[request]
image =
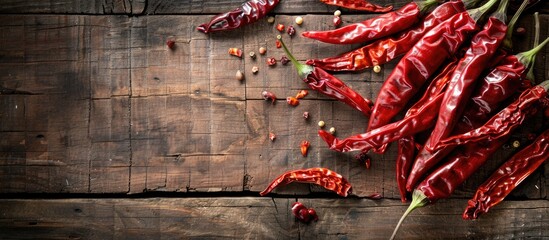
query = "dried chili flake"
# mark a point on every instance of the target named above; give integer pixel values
(301, 94)
(375, 196)
(170, 44)
(337, 21)
(278, 44)
(284, 60)
(292, 101)
(364, 158)
(291, 30)
(268, 96)
(271, 61)
(235, 52)
(272, 136)
(280, 27)
(305, 147)
(306, 115)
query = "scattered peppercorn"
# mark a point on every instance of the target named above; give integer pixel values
(280, 27)
(235, 52)
(301, 94)
(255, 69)
(271, 19)
(271, 61)
(337, 21)
(284, 60)
(262, 50)
(268, 96)
(377, 69)
(321, 124)
(278, 44)
(272, 136)
(170, 43)
(252, 55)
(299, 20)
(306, 115)
(291, 30)
(292, 101)
(516, 144)
(332, 130)
(239, 75)
(337, 13)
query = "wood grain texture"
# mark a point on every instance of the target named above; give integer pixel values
(261, 218)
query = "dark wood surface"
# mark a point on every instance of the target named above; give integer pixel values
(93, 104)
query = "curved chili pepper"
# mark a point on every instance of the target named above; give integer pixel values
(387, 49)
(374, 28)
(405, 158)
(361, 5)
(247, 13)
(419, 64)
(508, 176)
(327, 84)
(320, 176)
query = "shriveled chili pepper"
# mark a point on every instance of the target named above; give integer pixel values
(304, 146)
(418, 118)
(304, 214)
(247, 13)
(508, 176)
(235, 52)
(325, 83)
(320, 176)
(269, 96)
(419, 64)
(389, 48)
(292, 101)
(362, 5)
(405, 158)
(301, 94)
(374, 28)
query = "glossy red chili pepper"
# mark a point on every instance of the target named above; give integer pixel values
(304, 146)
(321, 176)
(419, 64)
(291, 30)
(304, 214)
(387, 49)
(405, 158)
(373, 28)
(418, 118)
(508, 176)
(325, 83)
(247, 13)
(362, 5)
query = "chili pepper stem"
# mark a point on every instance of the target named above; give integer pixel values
(302, 69)
(527, 58)
(530, 74)
(500, 13)
(424, 6)
(418, 200)
(508, 41)
(479, 12)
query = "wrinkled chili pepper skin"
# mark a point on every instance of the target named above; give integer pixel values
(321, 176)
(370, 29)
(439, 44)
(331, 86)
(362, 5)
(387, 49)
(247, 13)
(508, 176)
(405, 158)
(504, 121)
(418, 118)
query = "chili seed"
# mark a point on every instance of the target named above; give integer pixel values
(516, 144)
(278, 44)
(299, 20)
(291, 30)
(170, 43)
(520, 31)
(271, 61)
(252, 55)
(292, 101)
(262, 50)
(332, 130)
(337, 21)
(306, 115)
(239, 75)
(337, 13)
(255, 69)
(284, 60)
(321, 124)
(280, 27)
(377, 69)
(271, 19)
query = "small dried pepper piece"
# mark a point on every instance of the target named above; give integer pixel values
(235, 52)
(280, 27)
(284, 60)
(306, 115)
(170, 43)
(268, 96)
(247, 13)
(362, 5)
(278, 45)
(372, 28)
(304, 146)
(389, 48)
(304, 214)
(271, 61)
(508, 176)
(291, 30)
(323, 177)
(292, 101)
(301, 94)
(272, 136)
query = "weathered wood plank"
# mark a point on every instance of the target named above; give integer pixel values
(261, 218)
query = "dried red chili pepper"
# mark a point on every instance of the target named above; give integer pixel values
(362, 5)
(247, 13)
(419, 64)
(304, 214)
(235, 52)
(269, 96)
(373, 28)
(325, 83)
(304, 146)
(387, 49)
(292, 101)
(321, 176)
(301, 94)
(508, 176)
(405, 158)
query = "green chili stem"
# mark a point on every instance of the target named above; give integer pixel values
(527, 58)
(303, 70)
(479, 12)
(418, 200)
(508, 41)
(501, 11)
(530, 74)
(545, 85)
(425, 5)
(470, 3)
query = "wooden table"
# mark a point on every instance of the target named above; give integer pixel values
(106, 133)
